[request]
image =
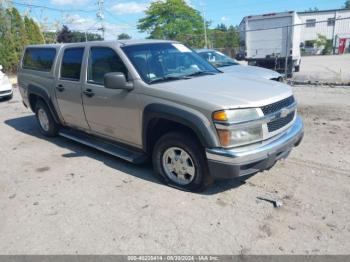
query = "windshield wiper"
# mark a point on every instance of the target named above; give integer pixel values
(167, 78)
(199, 73)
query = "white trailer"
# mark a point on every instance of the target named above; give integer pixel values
(271, 41)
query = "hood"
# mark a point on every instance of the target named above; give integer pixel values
(223, 91)
(250, 71)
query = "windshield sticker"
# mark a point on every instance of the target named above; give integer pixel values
(182, 48)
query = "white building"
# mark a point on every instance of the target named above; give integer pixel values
(330, 23)
(333, 24)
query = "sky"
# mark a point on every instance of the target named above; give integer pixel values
(121, 16)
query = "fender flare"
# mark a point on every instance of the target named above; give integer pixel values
(189, 119)
(34, 90)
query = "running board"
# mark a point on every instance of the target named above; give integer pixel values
(104, 145)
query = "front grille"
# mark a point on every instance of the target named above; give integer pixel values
(280, 122)
(272, 108)
(5, 92)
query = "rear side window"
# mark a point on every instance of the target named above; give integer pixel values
(40, 59)
(71, 63)
(103, 60)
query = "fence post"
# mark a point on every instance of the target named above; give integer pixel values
(287, 54)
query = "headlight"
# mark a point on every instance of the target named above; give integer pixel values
(237, 127)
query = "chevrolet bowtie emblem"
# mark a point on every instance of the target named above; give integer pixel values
(284, 112)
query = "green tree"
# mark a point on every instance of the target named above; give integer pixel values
(18, 32)
(82, 37)
(50, 37)
(347, 4)
(123, 36)
(8, 54)
(33, 32)
(64, 35)
(174, 20)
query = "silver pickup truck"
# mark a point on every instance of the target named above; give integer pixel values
(159, 100)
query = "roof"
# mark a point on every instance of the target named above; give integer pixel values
(323, 11)
(118, 42)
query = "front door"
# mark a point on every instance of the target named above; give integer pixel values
(111, 112)
(69, 88)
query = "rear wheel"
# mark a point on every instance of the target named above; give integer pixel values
(47, 125)
(179, 159)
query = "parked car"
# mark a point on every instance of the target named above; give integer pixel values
(159, 100)
(5, 86)
(229, 65)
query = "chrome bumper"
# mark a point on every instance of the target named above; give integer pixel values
(240, 162)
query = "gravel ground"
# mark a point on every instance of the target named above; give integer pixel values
(59, 197)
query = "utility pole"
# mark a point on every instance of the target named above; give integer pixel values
(100, 17)
(204, 26)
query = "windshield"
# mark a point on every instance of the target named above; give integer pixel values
(218, 59)
(159, 62)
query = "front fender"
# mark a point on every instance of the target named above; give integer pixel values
(195, 121)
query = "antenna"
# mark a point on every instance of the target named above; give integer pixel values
(100, 16)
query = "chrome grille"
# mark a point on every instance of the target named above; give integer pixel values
(280, 122)
(272, 108)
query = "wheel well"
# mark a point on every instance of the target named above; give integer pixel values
(33, 99)
(158, 127)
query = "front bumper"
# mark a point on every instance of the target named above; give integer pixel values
(5, 93)
(229, 163)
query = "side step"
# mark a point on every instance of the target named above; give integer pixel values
(106, 146)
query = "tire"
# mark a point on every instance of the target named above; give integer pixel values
(196, 176)
(48, 126)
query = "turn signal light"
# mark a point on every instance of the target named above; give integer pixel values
(220, 116)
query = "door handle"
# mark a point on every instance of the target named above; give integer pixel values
(88, 93)
(60, 88)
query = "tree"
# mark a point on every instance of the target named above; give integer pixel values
(123, 36)
(174, 20)
(83, 37)
(347, 4)
(64, 35)
(18, 32)
(33, 32)
(8, 55)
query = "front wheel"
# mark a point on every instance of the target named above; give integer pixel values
(179, 159)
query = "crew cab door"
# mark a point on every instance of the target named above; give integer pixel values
(69, 87)
(113, 113)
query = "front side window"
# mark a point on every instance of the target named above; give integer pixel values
(310, 22)
(40, 59)
(71, 63)
(157, 62)
(218, 59)
(103, 60)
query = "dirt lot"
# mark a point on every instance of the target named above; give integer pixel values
(59, 197)
(329, 68)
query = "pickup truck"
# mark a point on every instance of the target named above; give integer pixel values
(159, 100)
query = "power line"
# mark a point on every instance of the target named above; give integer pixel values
(52, 8)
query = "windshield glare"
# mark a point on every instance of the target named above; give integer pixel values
(218, 59)
(166, 61)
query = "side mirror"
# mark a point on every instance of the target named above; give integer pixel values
(0, 67)
(116, 80)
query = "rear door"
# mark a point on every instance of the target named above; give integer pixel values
(69, 87)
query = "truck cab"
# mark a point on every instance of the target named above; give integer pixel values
(160, 101)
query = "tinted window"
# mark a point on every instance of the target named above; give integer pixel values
(39, 58)
(103, 60)
(71, 63)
